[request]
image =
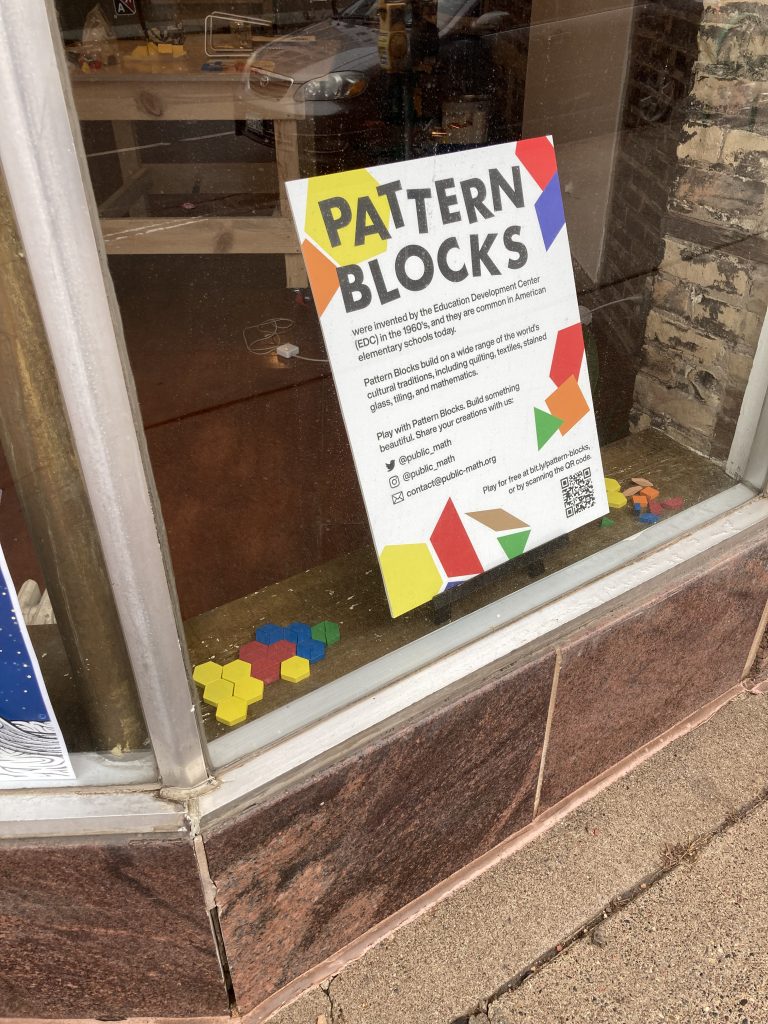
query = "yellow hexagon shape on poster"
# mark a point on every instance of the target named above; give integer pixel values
(410, 576)
(347, 197)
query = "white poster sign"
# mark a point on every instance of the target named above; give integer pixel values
(445, 292)
(32, 750)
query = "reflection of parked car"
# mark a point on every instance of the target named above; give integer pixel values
(351, 112)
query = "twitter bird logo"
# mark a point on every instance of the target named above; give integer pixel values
(390, 466)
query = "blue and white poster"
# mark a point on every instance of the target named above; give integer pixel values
(32, 748)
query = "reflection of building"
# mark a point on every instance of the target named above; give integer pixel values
(708, 301)
(130, 900)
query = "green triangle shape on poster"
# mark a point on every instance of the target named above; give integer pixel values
(514, 543)
(546, 426)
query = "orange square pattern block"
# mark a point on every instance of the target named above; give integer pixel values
(568, 404)
(650, 492)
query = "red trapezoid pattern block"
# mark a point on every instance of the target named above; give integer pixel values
(569, 351)
(538, 158)
(322, 275)
(453, 546)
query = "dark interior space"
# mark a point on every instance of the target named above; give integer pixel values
(257, 487)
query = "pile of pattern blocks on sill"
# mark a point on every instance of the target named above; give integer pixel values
(642, 497)
(276, 652)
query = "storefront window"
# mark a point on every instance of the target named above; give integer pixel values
(194, 120)
(66, 685)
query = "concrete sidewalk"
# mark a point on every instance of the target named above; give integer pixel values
(647, 903)
(692, 947)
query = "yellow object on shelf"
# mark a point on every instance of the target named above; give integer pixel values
(231, 711)
(294, 670)
(216, 692)
(206, 672)
(249, 690)
(611, 484)
(616, 499)
(235, 671)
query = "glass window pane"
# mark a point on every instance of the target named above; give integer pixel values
(55, 566)
(193, 124)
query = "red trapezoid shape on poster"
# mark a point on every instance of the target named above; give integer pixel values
(453, 546)
(538, 158)
(569, 351)
(322, 276)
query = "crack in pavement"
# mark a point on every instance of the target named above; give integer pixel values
(671, 859)
(336, 1014)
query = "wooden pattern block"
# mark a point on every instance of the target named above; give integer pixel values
(326, 632)
(269, 633)
(283, 649)
(299, 631)
(253, 651)
(206, 672)
(231, 711)
(217, 691)
(267, 669)
(250, 690)
(294, 670)
(312, 650)
(237, 670)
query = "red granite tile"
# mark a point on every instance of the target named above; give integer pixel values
(680, 643)
(307, 871)
(105, 930)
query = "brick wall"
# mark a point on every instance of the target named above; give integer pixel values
(659, 76)
(708, 300)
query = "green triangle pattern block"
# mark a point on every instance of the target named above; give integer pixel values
(514, 543)
(326, 632)
(546, 426)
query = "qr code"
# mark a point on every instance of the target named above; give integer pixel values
(578, 492)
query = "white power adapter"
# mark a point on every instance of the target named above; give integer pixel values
(287, 350)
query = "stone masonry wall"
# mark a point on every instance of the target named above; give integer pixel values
(709, 297)
(659, 75)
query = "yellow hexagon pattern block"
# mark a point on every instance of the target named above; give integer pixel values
(235, 671)
(231, 711)
(217, 691)
(249, 690)
(206, 672)
(294, 670)
(358, 190)
(410, 576)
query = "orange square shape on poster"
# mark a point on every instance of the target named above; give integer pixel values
(568, 404)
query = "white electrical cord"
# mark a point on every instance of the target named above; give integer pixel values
(273, 328)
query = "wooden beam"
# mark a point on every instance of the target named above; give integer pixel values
(287, 154)
(196, 97)
(136, 186)
(173, 235)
